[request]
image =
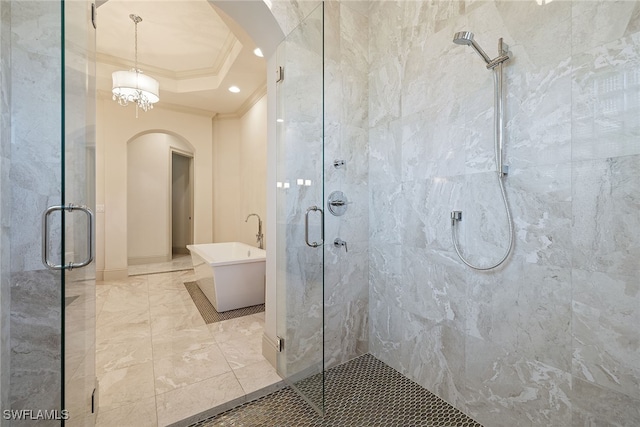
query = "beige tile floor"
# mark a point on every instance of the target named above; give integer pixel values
(159, 363)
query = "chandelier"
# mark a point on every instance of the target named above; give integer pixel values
(133, 85)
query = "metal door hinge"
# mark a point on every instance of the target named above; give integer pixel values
(279, 74)
(94, 15)
(280, 344)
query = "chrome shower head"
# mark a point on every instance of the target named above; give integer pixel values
(466, 38)
(463, 37)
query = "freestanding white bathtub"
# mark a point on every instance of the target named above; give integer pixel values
(231, 275)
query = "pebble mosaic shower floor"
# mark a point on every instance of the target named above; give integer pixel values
(363, 392)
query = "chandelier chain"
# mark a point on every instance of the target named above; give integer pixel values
(136, 20)
(136, 47)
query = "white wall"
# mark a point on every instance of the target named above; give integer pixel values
(115, 127)
(253, 169)
(226, 176)
(149, 180)
(240, 174)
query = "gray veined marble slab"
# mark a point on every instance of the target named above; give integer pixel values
(548, 332)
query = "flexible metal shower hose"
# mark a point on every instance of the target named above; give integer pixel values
(454, 236)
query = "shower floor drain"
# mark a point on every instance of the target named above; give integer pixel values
(363, 392)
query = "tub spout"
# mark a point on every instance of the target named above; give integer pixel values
(259, 236)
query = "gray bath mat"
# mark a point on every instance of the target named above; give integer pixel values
(209, 313)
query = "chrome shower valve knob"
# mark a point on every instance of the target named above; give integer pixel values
(339, 242)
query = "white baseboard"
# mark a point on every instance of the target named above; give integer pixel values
(148, 259)
(270, 351)
(112, 274)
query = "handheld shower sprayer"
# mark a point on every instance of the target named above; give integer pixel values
(466, 38)
(496, 64)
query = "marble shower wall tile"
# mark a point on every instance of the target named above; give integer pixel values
(290, 13)
(606, 202)
(5, 207)
(592, 23)
(428, 143)
(35, 340)
(525, 310)
(386, 62)
(385, 152)
(346, 273)
(598, 406)
(606, 93)
(385, 32)
(540, 198)
(505, 389)
(384, 92)
(606, 310)
(35, 149)
(432, 289)
(385, 213)
(385, 271)
(34, 182)
(551, 331)
(429, 353)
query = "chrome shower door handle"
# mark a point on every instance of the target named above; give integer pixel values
(306, 227)
(90, 254)
(45, 238)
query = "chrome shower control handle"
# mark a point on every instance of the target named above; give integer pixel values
(339, 242)
(337, 203)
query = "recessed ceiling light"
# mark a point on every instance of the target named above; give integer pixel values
(258, 52)
(234, 89)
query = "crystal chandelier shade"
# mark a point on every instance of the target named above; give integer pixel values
(133, 86)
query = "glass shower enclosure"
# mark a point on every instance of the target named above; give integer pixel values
(51, 181)
(299, 209)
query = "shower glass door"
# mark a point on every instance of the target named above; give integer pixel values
(299, 209)
(52, 187)
(78, 188)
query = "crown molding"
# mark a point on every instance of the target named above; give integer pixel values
(252, 100)
(245, 107)
(229, 51)
(168, 106)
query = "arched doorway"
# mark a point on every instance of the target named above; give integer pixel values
(159, 197)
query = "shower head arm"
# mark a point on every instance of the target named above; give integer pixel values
(480, 52)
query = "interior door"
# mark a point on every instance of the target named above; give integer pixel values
(78, 197)
(299, 209)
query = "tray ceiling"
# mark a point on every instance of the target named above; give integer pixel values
(187, 46)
